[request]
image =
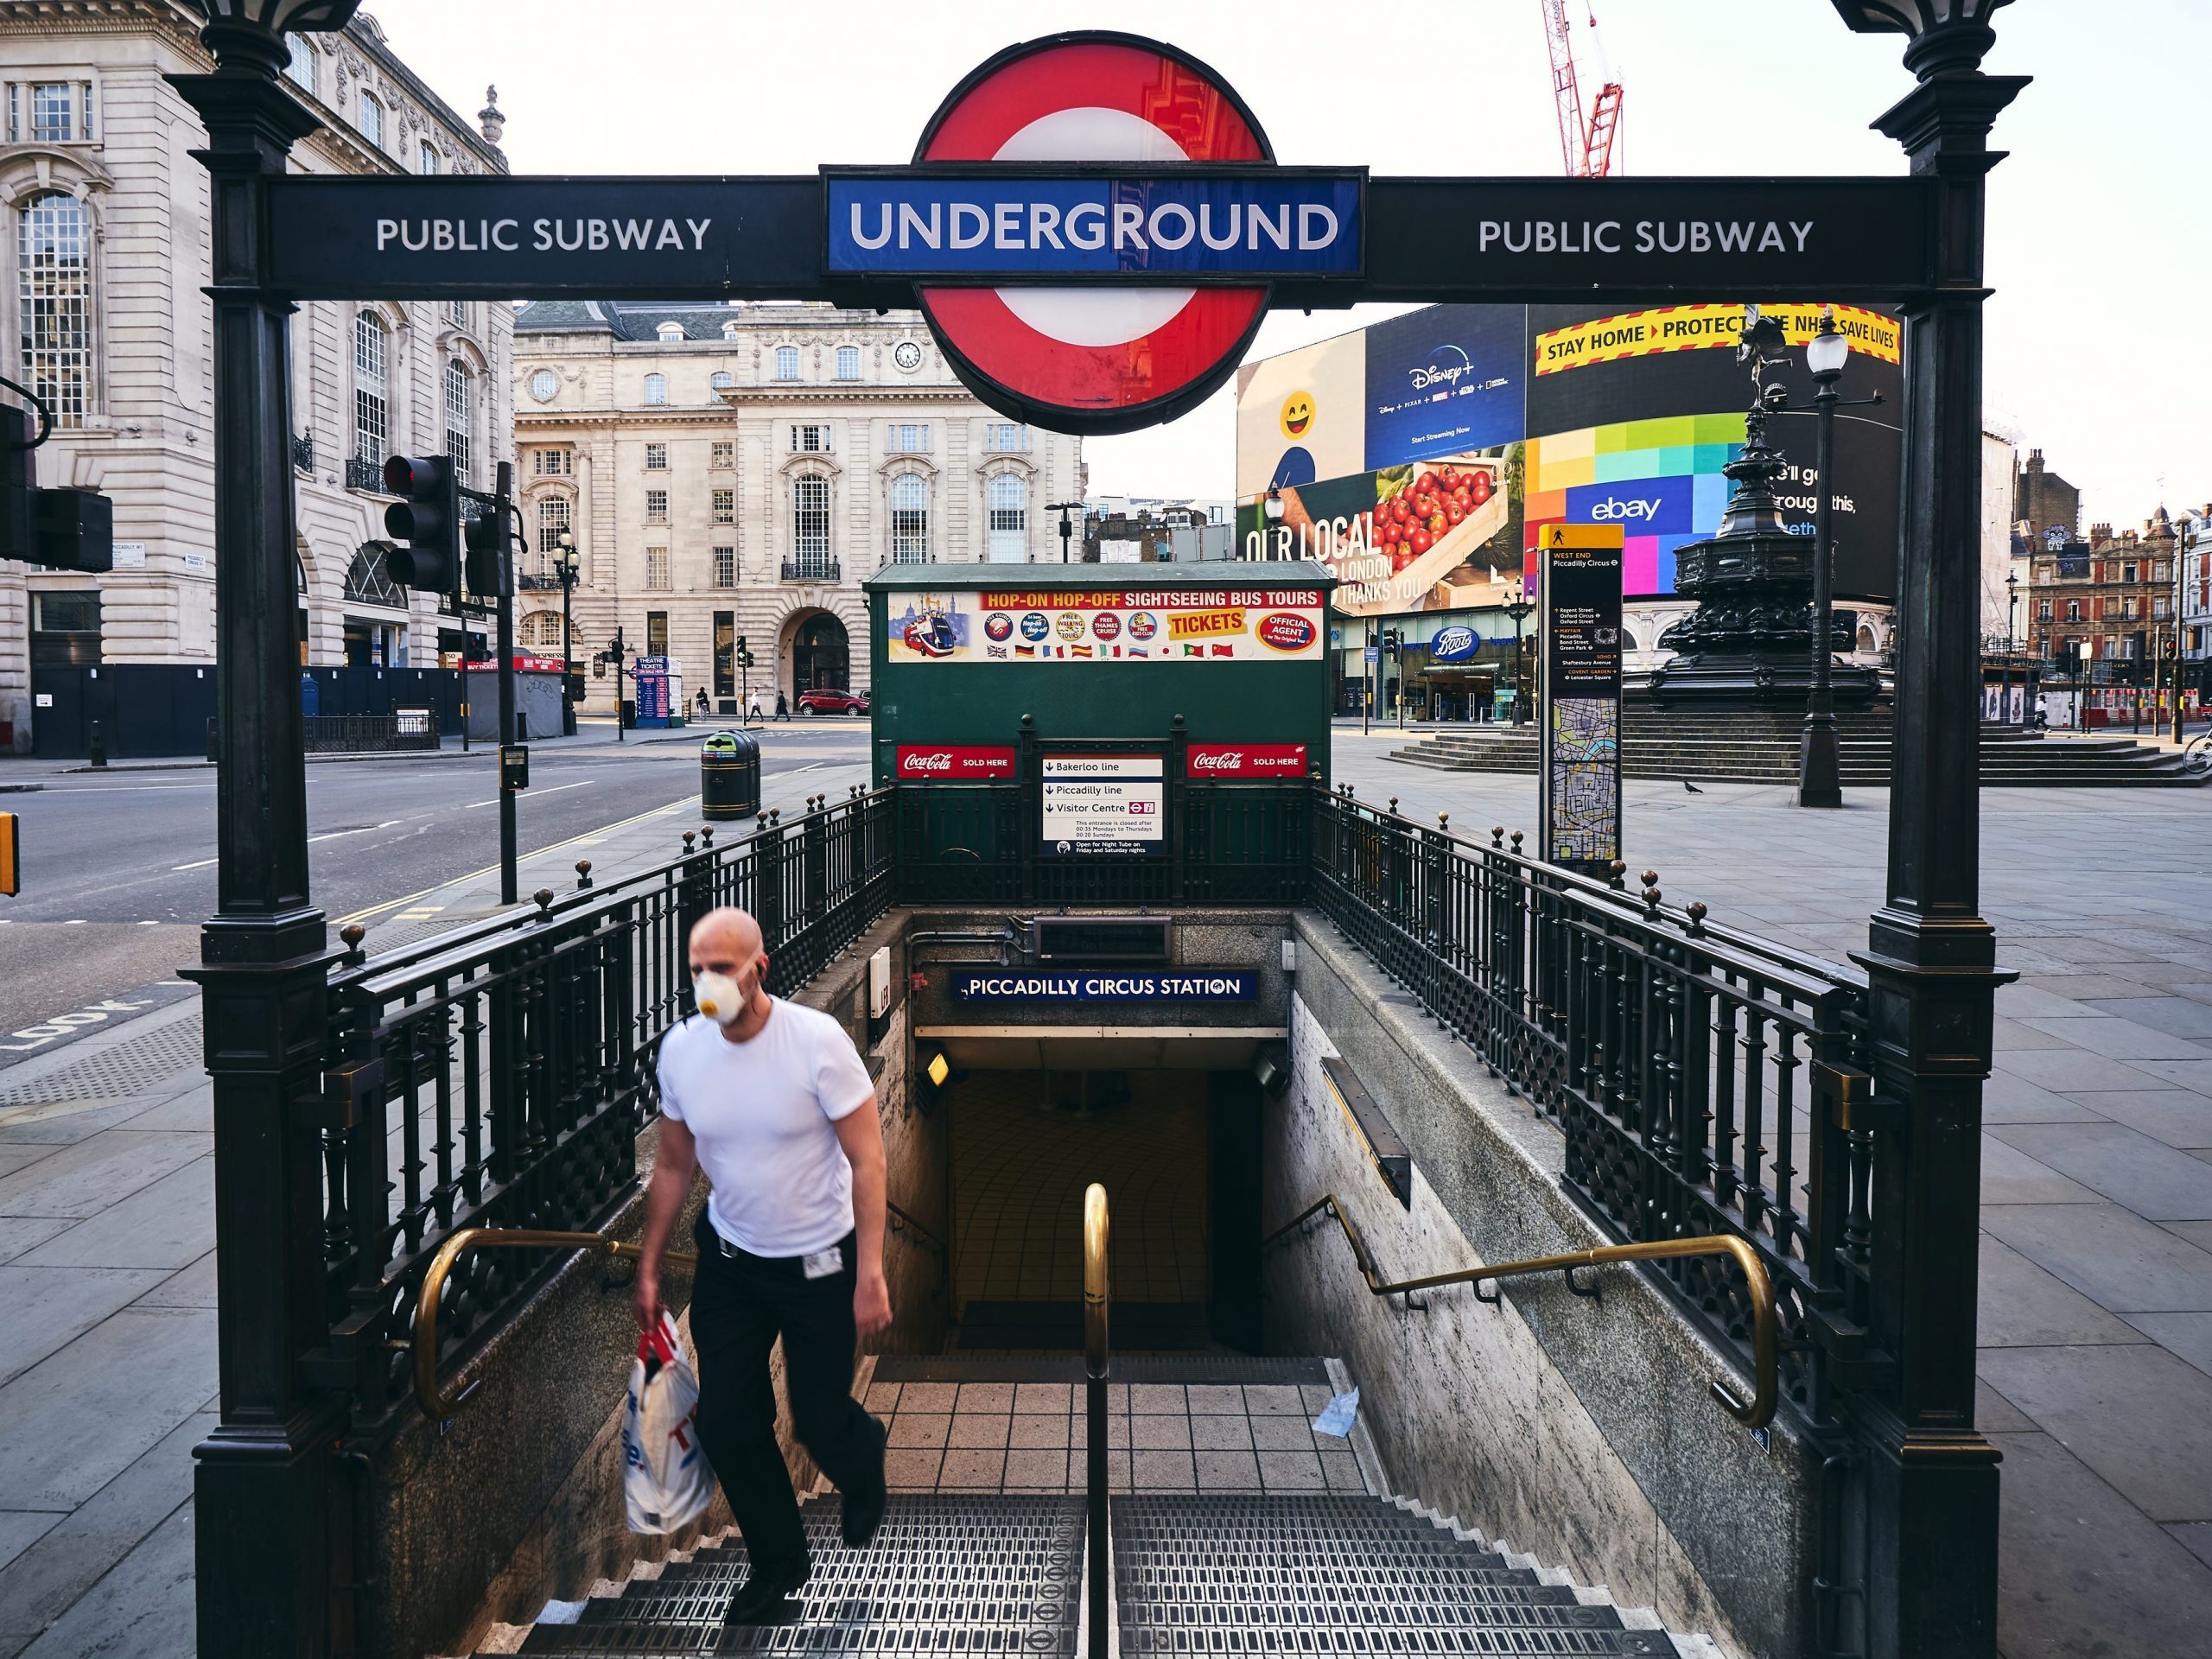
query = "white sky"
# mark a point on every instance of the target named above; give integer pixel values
(2100, 242)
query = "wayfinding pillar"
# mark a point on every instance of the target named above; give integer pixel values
(263, 1507)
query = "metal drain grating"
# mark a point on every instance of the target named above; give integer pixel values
(117, 1072)
(972, 1576)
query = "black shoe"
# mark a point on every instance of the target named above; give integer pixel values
(864, 1504)
(763, 1597)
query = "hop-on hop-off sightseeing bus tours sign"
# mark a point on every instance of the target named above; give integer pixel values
(1095, 225)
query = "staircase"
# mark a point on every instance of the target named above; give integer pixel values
(1757, 747)
(1207, 1568)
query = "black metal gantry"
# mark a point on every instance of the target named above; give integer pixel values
(277, 1566)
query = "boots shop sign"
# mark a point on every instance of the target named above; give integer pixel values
(1094, 225)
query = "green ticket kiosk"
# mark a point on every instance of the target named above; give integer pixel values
(1100, 722)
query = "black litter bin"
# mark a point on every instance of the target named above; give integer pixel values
(729, 776)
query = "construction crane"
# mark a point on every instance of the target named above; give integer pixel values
(1586, 142)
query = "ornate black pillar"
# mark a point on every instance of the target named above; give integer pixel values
(266, 1510)
(1931, 1484)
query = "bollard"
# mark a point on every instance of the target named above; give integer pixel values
(98, 746)
(214, 743)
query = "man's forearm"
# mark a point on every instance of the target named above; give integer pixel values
(869, 1185)
(664, 1201)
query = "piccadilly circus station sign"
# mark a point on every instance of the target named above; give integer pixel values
(1095, 225)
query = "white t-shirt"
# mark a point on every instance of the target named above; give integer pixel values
(761, 1112)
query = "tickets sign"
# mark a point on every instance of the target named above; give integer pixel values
(1116, 625)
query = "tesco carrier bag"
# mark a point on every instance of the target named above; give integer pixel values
(666, 1481)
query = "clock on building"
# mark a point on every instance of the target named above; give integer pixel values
(543, 385)
(907, 355)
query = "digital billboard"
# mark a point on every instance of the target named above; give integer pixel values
(1580, 415)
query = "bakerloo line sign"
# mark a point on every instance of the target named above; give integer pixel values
(1094, 226)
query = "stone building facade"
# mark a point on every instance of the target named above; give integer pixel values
(731, 472)
(106, 261)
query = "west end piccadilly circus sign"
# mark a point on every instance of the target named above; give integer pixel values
(1095, 225)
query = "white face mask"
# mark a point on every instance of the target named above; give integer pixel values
(718, 997)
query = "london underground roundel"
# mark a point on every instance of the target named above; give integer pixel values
(1094, 360)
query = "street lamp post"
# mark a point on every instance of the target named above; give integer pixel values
(564, 567)
(1819, 773)
(1518, 608)
(2012, 635)
(1067, 525)
(265, 1485)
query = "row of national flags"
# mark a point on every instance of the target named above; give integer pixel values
(1110, 650)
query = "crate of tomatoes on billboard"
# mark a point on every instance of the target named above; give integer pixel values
(1425, 536)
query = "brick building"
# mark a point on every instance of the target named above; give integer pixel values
(2043, 501)
(2116, 592)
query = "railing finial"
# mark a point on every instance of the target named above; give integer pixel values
(543, 899)
(583, 875)
(353, 933)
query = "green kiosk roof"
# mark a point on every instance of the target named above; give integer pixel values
(1213, 573)
(1228, 657)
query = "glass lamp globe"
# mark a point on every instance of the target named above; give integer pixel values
(1826, 352)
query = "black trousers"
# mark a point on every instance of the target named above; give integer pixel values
(739, 1305)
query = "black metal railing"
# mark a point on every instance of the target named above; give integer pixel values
(812, 570)
(497, 1075)
(304, 452)
(1678, 1059)
(365, 473)
(1704, 1081)
(408, 729)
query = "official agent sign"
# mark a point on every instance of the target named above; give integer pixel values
(1094, 226)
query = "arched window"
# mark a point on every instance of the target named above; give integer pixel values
(372, 412)
(1866, 639)
(1009, 519)
(370, 121)
(367, 581)
(656, 388)
(302, 67)
(54, 263)
(721, 380)
(786, 362)
(670, 331)
(460, 426)
(426, 157)
(848, 362)
(541, 630)
(910, 518)
(729, 331)
(810, 526)
(552, 526)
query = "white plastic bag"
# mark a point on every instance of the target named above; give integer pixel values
(666, 1476)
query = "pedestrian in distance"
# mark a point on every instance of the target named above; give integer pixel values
(772, 1100)
(705, 708)
(753, 710)
(782, 708)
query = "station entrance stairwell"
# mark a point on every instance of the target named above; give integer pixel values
(1108, 1557)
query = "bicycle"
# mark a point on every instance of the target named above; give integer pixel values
(2196, 757)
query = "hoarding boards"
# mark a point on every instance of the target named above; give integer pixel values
(1302, 416)
(1102, 803)
(1578, 715)
(1437, 535)
(1163, 625)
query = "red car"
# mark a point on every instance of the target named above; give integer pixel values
(821, 700)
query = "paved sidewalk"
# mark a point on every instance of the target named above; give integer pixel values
(107, 1277)
(2095, 1357)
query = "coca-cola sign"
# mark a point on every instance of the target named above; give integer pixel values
(940, 762)
(1246, 760)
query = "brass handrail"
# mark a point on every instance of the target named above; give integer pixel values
(435, 1405)
(902, 1219)
(1757, 1413)
(1098, 1362)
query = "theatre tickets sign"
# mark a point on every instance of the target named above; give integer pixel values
(1094, 225)
(1095, 624)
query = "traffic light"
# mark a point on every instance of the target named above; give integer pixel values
(425, 524)
(61, 530)
(487, 562)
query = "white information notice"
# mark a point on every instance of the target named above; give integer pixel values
(1103, 803)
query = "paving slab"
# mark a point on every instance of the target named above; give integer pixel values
(2122, 1261)
(20, 1233)
(86, 1177)
(49, 1307)
(2148, 1176)
(73, 1422)
(146, 1607)
(2180, 1117)
(2188, 1336)
(2011, 1176)
(2083, 1574)
(167, 1225)
(2177, 1016)
(2133, 1412)
(2122, 1039)
(2022, 1305)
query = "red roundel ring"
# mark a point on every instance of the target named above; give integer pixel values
(1093, 360)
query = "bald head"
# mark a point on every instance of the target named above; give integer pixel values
(726, 939)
